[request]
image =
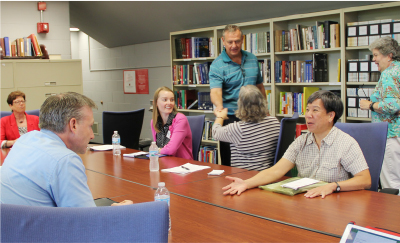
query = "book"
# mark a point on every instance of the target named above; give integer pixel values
(327, 33)
(320, 68)
(36, 46)
(204, 101)
(7, 47)
(307, 91)
(3, 53)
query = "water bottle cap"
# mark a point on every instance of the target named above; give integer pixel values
(161, 184)
(153, 142)
(115, 132)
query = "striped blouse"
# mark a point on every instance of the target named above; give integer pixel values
(253, 145)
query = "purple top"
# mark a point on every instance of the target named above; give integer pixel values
(180, 144)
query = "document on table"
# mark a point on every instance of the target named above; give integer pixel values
(216, 172)
(103, 147)
(133, 155)
(295, 185)
(186, 168)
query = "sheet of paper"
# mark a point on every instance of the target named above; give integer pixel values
(135, 154)
(103, 147)
(186, 168)
(216, 172)
(300, 183)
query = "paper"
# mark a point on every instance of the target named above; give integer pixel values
(130, 81)
(362, 30)
(186, 168)
(353, 67)
(295, 185)
(133, 155)
(103, 147)
(216, 172)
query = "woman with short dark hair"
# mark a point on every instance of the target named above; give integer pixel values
(384, 104)
(253, 139)
(18, 123)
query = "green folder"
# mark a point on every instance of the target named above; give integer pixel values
(276, 187)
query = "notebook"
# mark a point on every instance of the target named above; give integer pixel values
(358, 234)
(101, 202)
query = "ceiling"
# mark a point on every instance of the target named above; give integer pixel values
(115, 23)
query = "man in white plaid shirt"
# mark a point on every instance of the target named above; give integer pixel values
(325, 153)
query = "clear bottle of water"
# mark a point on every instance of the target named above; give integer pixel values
(162, 194)
(153, 154)
(116, 141)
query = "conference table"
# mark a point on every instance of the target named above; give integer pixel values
(201, 213)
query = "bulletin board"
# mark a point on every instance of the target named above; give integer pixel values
(136, 81)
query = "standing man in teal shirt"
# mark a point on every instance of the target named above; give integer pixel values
(230, 71)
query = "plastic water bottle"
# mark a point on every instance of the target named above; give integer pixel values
(162, 194)
(153, 154)
(116, 141)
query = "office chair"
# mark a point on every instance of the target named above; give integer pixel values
(141, 222)
(196, 124)
(5, 113)
(372, 140)
(33, 112)
(127, 123)
(287, 135)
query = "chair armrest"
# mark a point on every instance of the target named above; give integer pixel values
(390, 191)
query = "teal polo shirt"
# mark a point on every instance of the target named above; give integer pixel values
(230, 76)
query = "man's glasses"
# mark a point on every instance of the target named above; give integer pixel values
(20, 102)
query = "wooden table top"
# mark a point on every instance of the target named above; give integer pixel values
(331, 214)
(193, 221)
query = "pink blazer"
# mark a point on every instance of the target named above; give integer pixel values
(9, 128)
(180, 143)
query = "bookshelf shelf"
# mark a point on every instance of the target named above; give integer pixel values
(210, 141)
(357, 48)
(358, 119)
(310, 84)
(194, 59)
(362, 83)
(338, 49)
(192, 85)
(197, 111)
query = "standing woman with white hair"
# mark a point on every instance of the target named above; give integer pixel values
(254, 138)
(385, 105)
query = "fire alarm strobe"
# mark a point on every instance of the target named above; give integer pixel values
(42, 27)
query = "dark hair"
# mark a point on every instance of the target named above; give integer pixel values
(330, 101)
(13, 95)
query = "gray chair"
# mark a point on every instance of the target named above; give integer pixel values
(127, 123)
(5, 113)
(141, 222)
(287, 135)
(196, 124)
(33, 112)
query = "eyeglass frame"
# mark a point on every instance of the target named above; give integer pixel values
(19, 102)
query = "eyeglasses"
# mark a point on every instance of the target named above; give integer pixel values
(19, 102)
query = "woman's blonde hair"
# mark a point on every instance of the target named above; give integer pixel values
(156, 113)
(252, 106)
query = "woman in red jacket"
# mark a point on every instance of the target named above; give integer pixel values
(18, 123)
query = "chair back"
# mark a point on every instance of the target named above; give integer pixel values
(33, 112)
(196, 124)
(287, 135)
(372, 140)
(127, 123)
(5, 113)
(141, 222)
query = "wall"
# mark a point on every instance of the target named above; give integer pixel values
(19, 19)
(104, 83)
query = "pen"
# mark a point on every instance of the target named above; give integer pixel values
(186, 168)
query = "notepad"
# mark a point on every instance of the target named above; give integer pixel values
(216, 172)
(133, 155)
(186, 168)
(295, 185)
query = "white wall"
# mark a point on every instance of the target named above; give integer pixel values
(19, 19)
(105, 82)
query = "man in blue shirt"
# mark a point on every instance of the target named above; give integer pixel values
(230, 71)
(43, 168)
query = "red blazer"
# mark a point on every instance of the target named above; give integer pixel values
(9, 128)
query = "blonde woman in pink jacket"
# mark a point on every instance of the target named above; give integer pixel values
(170, 129)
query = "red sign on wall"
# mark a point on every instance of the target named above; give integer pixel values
(136, 81)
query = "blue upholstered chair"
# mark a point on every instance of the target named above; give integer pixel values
(142, 222)
(372, 140)
(196, 124)
(33, 112)
(287, 135)
(5, 113)
(127, 123)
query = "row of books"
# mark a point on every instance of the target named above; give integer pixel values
(196, 73)
(21, 47)
(256, 43)
(207, 132)
(315, 70)
(208, 154)
(194, 47)
(365, 32)
(354, 96)
(268, 95)
(362, 70)
(265, 69)
(290, 102)
(320, 36)
(192, 99)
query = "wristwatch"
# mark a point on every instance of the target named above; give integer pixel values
(338, 187)
(371, 106)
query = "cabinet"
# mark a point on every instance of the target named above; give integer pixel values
(39, 79)
(337, 71)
